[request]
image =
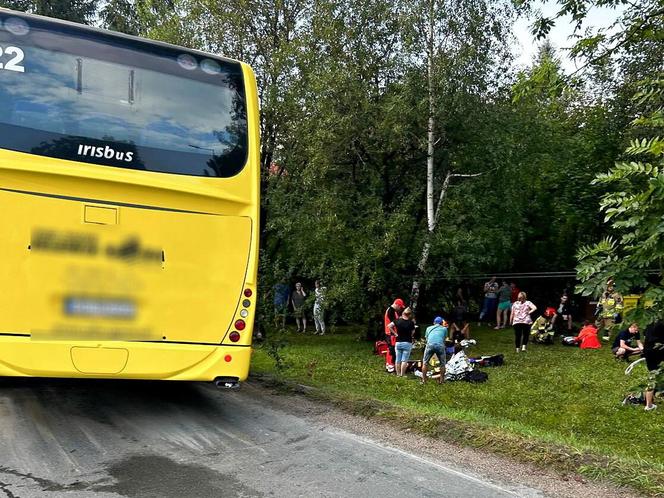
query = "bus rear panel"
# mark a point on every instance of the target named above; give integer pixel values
(129, 182)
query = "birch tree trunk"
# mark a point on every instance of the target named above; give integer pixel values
(431, 222)
(432, 214)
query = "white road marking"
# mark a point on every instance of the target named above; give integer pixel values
(388, 449)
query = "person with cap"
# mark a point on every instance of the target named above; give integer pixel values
(435, 336)
(392, 314)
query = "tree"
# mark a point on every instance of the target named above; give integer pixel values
(632, 253)
(447, 32)
(634, 208)
(122, 16)
(81, 11)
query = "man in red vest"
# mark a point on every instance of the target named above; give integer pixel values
(392, 314)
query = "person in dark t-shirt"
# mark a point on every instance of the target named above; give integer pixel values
(628, 342)
(653, 351)
(405, 327)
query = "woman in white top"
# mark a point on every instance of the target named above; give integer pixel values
(319, 308)
(520, 319)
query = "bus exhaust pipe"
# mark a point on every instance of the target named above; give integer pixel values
(227, 382)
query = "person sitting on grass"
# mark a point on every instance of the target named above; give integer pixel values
(623, 346)
(587, 338)
(457, 334)
(404, 341)
(459, 331)
(435, 336)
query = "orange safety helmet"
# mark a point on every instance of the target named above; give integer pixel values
(549, 312)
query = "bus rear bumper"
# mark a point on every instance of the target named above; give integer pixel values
(22, 357)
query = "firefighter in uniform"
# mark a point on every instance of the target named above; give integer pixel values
(392, 314)
(609, 310)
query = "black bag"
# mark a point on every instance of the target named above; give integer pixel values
(476, 376)
(493, 361)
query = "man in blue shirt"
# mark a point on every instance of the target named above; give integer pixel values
(435, 336)
(281, 297)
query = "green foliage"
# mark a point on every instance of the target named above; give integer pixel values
(634, 209)
(121, 15)
(344, 108)
(81, 11)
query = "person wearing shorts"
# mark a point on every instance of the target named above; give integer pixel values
(281, 298)
(298, 298)
(435, 337)
(504, 306)
(405, 334)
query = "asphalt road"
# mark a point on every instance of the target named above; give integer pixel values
(145, 439)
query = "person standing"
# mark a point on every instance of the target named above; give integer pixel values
(435, 336)
(653, 352)
(405, 327)
(514, 292)
(391, 316)
(521, 321)
(609, 308)
(490, 299)
(281, 298)
(504, 305)
(319, 307)
(297, 300)
(563, 313)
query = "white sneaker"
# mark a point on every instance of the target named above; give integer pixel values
(651, 407)
(523, 348)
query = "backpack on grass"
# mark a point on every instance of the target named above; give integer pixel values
(381, 348)
(476, 376)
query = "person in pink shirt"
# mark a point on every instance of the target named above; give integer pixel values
(521, 321)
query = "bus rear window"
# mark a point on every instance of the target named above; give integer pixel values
(88, 96)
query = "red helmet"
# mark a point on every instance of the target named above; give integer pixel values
(549, 312)
(399, 302)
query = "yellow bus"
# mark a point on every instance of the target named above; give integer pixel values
(129, 203)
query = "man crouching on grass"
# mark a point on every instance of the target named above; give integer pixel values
(624, 345)
(435, 337)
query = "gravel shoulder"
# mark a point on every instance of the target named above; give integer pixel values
(485, 465)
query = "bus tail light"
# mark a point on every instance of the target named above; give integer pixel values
(234, 336)
(240, 325)
(247, 293)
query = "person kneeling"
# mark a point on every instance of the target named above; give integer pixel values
(542, 329)
(623, 346)
(587, 338)
(435, 337)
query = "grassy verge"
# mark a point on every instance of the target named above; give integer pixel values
(555, 406)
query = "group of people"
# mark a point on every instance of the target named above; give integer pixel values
(297, 299)
(442, 339)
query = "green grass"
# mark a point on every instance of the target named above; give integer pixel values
(553, 405)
